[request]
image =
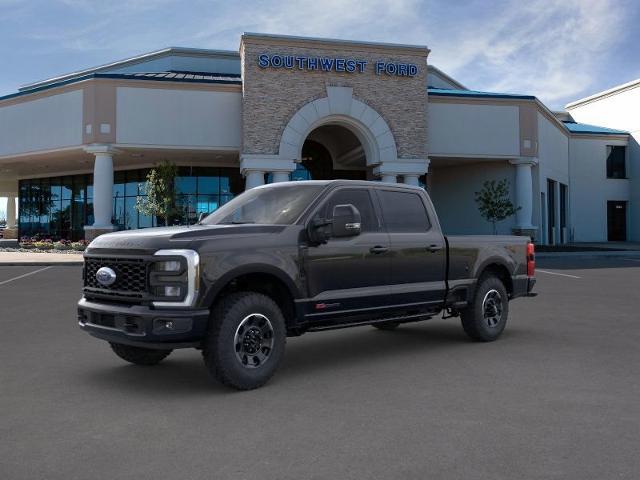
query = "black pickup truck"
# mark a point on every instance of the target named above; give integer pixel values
(288, 258)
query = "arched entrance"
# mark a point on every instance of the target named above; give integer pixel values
(333, 151)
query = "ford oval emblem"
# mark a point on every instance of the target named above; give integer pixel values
(105, 276)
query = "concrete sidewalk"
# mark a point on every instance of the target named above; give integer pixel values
(37, 259)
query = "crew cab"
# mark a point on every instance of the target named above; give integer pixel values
(288, 258)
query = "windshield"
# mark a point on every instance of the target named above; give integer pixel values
(280, 205)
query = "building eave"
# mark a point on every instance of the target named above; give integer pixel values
(131, 61)
(605, 93)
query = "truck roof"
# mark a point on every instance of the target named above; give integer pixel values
(366, 183)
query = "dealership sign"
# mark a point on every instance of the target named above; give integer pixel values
(333, 64)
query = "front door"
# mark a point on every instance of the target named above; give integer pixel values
(418, 259)
(348, 275)
(617, 221)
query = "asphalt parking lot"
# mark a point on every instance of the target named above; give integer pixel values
(556, 397)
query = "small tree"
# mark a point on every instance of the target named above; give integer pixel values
(160, 199)
(494, 203)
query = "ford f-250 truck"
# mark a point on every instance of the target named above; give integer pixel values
(294, 257)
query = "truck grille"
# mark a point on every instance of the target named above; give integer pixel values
(131, 277)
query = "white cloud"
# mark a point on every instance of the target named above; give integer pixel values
(554, 49)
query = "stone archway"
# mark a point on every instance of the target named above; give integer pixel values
(340, 108)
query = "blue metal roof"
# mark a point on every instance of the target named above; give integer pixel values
(444, 92)
(188, 77)
(575, 127)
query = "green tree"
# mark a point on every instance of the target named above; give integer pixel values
(160, 193)
(494, 203)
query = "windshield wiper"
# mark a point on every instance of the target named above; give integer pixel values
(237, 222)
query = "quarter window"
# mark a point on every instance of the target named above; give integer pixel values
(404, 212)
(616, 161)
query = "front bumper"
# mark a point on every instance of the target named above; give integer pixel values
(143, 326)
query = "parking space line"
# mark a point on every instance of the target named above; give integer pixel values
(25, 275)
(556, 273)
(632, 259)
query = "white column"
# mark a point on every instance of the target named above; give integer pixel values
(253, 178)
(389, 178)
(280, 176)
(411, 179)
(524, 191)
(11, 211)
(102, 186)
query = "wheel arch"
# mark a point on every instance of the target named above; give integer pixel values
(499, 270)
(259, 278)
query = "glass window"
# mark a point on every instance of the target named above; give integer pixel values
(616, 161)
(131, 214)
(360, 199)
(185, 185)
(403, 211)
(119, 179)
(67, 188)
(210, 185)
(276, 205)
(131, 185)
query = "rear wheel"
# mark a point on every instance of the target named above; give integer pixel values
(245, 341)
(486, 316)
(139, 355)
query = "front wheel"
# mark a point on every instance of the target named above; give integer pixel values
(486, 316)
(139, 355)
(245, 341)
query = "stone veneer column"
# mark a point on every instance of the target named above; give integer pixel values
(409, 169)
(102, 190)
(524, 195)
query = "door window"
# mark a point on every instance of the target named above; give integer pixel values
(360, 199)
(404, 212)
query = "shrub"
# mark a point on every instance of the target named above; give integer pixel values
(80, 246)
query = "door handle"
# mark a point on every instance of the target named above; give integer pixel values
(379, 249)
(434, 248)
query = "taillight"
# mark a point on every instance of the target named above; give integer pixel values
(531, 260)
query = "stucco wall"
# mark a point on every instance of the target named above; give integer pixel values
(463, 129)
(271, 96)
(165, 117)
(452, 192)
(590, 189)
(621, 111)
(45, 123)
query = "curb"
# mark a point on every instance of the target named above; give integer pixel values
(41, 264)
(605, 254)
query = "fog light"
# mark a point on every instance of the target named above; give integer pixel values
(169, 266)
(171, 291)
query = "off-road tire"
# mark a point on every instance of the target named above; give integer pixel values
(139, 355)
(474, 318)
(220, 346)
(387, 326)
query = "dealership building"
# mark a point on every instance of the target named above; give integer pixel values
(75, 149)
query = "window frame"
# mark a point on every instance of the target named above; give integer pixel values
(372, 198)
(625, 165)
(427, 210)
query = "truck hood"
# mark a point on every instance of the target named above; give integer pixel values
(174, 237)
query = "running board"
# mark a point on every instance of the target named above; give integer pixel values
(418, 317)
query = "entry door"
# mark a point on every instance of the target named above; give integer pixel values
(617, 221)
(349, 275)
(419, 252)
(551, 212)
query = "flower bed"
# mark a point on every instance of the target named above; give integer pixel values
(36, 244)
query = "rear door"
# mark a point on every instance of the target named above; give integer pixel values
(349, 275)
(418, 251)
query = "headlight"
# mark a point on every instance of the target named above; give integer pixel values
(169, 266)
(175, 281)
(169, 291)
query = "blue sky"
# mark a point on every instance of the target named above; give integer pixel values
(557, 50)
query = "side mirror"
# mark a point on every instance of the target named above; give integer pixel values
(346, 221)
(319, 230)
